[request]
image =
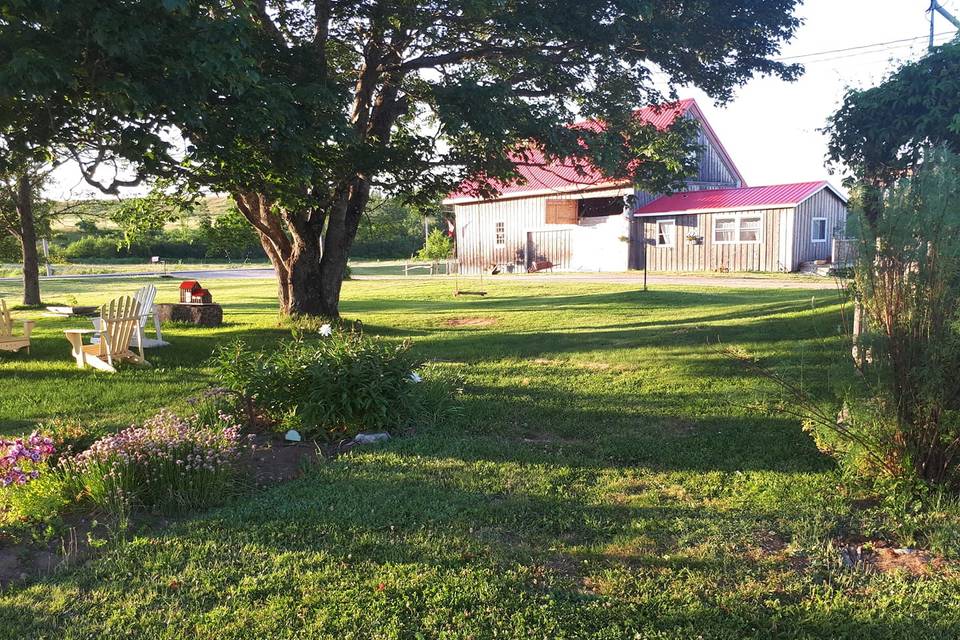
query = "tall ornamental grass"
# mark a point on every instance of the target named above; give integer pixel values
(901, 417)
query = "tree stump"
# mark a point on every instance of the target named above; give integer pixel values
(202, 315)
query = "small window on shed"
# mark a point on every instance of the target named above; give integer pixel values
(666, 233)
(818, 230)
(500, 234)
(750, 229)
(724, 230)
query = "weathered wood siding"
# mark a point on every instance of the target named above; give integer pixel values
(706, 255)
(824, 204)
(713, 168)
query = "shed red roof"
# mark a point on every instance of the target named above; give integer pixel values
(539, 174)
(190, 285)
(778, 195)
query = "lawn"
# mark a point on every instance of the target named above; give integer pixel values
(606, 478)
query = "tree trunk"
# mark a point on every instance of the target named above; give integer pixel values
(342, 223)
(28, 242)
(304, 282)
(309, 264)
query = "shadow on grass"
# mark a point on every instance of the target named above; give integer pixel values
(442, 538)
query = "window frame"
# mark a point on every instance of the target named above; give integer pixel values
(499, 233)
(758, 229)
(813, 226)
(737, 230)
(671, 222)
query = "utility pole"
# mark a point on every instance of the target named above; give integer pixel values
(935, 8)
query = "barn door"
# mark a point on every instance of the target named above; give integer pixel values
(553, 246)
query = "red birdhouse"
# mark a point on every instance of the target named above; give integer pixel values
(188, 289)
(201, 296)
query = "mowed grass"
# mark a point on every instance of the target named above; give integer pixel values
(606, 478)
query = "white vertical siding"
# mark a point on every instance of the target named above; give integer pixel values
(476, 231)
(705, 254)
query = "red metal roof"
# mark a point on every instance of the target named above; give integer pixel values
(538, 174)
(777, 195)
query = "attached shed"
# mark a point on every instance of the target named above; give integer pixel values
(774, 228)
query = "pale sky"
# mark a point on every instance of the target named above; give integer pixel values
(771, 127)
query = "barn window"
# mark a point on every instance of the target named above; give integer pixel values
(500, 234)
(750, 229)
(666, 233)
(818, 231)
(561, 211)
(600, 207)
(725, 230)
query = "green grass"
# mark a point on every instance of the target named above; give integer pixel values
(604, 481)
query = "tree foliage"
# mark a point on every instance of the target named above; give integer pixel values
(300, 110)
(137, 218)
(884, 132)
(438, 246)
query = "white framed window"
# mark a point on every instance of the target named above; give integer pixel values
(666, 233)
(725, 230)
(818, 230)
(737, 229)
(500, 234)
(750, 229)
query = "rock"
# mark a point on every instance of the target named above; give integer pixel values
(293, 436)
(370, 438)
(203, 315)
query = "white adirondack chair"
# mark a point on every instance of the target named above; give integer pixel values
(145, 296)
(119, 321)
(8, 341)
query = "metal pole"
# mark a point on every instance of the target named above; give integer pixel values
(46, 255)
(645, 261)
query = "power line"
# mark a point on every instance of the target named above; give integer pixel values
(864, 46)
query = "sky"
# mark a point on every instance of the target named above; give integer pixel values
(771, 127)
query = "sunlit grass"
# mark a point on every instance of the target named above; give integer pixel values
(606, 479)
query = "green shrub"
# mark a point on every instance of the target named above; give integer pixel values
(439, 246)
(329, 387)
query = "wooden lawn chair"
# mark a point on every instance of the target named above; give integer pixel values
(8, 341)
(119, 321)
(145, 296)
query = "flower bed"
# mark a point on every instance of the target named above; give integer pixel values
(22, 458)
(169, 464)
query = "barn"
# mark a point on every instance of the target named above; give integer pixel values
(569, 218)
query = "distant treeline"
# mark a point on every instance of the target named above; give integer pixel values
(389, 230)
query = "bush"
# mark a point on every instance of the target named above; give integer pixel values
(439, 246)
(169, 465)
(332, 387)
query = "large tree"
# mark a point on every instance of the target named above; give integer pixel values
(405, 97)
(22, 211)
